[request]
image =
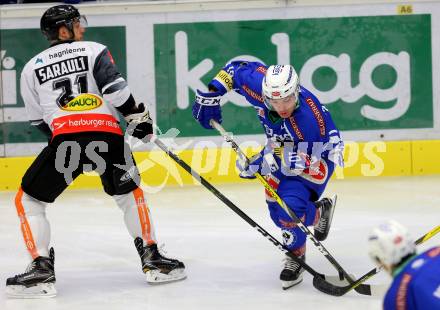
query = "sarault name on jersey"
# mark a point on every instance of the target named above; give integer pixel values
(62, 68)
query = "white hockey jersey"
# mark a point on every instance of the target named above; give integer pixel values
(74, 86)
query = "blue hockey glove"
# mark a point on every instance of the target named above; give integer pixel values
(206, 107)
(249, 168)
(264, 163)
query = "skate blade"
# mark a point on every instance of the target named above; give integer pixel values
(156, 277)
(42, 290)
(288, 284)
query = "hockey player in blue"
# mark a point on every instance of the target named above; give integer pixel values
(303, 145)
(416, 284)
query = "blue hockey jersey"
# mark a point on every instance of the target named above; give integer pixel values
(416, 285)
(310, 128)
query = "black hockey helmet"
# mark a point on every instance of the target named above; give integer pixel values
(57, 16)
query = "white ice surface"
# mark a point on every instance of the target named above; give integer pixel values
(229, 264)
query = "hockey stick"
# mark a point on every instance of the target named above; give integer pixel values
(244, 216)
(341, 290)
(364, 289)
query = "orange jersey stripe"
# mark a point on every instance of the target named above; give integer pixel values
(25, 228)
(144, 215)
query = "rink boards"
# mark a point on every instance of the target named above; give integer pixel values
(217, 165)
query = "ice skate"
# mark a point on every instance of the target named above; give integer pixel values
(291, 275)
(37, 282)
(158, 268)
(327, 208)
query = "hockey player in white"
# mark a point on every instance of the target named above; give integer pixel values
(73, 92)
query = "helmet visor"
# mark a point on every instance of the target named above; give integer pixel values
(82, 21)
(282, 101)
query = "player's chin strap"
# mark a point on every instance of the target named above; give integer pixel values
(319, 282)
(317, 277)
(364, 289)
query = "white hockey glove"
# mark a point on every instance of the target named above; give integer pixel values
(140, 124)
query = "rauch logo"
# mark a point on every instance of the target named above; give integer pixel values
(83, 102)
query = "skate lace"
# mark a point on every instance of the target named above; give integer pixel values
(158, 252)
(29, 268)
(161, 250)
(322, 225)
(290, 264)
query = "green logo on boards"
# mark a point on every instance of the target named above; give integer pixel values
(371, 72)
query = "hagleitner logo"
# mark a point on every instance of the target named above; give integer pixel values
(83, 102)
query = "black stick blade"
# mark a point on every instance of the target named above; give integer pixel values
(326, 287)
